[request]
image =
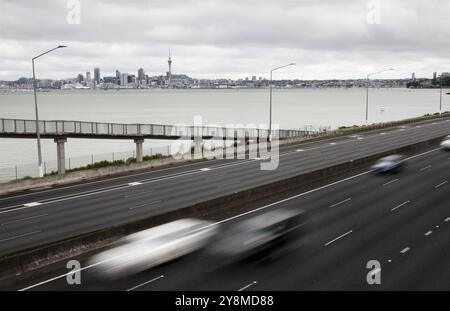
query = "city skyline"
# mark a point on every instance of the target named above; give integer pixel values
(141, 76)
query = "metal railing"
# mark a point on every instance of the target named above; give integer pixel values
(76, 128)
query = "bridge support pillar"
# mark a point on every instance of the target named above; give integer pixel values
(257, 146)
(235, 145)
(247, 146)
(198, 147)
(61, 155)
(224, 146)
(139, 150)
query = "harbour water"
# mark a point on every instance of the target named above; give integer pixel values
(292, 109)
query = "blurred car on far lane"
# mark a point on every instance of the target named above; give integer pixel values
(260, 236)
(152, 247)
(390, 164)
(446, 143)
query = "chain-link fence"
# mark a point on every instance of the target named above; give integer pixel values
(31, 170)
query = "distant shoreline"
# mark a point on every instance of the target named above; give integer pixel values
(215, 89)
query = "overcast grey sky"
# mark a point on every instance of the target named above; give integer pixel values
(227, 38)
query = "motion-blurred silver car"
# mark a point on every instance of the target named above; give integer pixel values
(445, 144)
(390, 164)
(152, 247)
(257, 237)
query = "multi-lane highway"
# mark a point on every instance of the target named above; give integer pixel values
(401, 220)
(40, 217)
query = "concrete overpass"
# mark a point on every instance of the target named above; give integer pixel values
(60, 130)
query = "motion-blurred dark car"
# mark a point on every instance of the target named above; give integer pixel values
(389, 164)
(260, 236)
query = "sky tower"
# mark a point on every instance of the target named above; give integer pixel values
(170, 69)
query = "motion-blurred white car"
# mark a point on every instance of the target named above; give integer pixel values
(446, 143)
(152, 247)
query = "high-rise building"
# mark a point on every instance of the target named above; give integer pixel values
(88, 76)
(141, 76)
(97, 75)
(124, 79)
(413, 76)
(80, 78)
(434, 75)
(170, 70)
(118, 77)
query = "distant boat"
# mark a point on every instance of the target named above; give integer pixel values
(448, 93)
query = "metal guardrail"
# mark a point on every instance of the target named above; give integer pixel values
(61, 127)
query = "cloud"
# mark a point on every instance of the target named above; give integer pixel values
(326, 38)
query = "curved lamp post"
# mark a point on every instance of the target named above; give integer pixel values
(38, 135)
(367, 91)
(270, 109)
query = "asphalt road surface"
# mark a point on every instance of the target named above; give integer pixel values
(40, 217)
(401, 220)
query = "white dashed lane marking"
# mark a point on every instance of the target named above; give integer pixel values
(247, 286)
(425, 168)
(144, 205)
(342, 202)
(441, 184)
(401, 205)
(32, 204)
(145, 283)
(20, 236)
(390, 182)
(22, 219)
(405, 250)
(338, 238)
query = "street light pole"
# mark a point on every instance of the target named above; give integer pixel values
(440, 100)
(270, 108)
(38, 132)
(367, 91)
(367, 100)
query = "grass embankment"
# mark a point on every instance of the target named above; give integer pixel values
(345, 130)
(106, 163)
(97, 165)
